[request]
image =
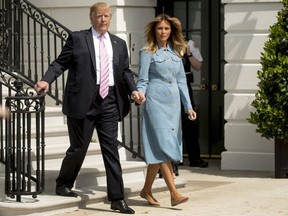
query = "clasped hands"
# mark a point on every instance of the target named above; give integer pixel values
(139, 97)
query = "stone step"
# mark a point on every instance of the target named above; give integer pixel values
(50, 204)
(92, 173)
(55, 123)
(90, 183)
(90, 186)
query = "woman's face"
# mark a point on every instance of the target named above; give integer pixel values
(163, 30)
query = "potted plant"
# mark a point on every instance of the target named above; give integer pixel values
(271, 100)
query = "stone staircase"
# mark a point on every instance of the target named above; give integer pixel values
(90, 184)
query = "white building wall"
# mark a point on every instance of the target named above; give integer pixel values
(128, 20)
(247, 25)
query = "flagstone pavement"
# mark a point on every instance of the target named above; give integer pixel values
(212, 192)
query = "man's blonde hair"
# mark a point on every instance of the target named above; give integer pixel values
(100, 5)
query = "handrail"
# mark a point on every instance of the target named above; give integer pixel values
(45, 20)
(7, 78)
(31, 39)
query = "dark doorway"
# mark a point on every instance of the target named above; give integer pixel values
(202, 21)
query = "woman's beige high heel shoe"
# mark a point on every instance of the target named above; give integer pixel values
(151, 200)
(178, 201)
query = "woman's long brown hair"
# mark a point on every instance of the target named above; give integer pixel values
(176, 39)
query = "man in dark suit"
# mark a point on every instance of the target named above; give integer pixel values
(86, 109)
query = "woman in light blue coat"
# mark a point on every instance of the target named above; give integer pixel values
(162, 79)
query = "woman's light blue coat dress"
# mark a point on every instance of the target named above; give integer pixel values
(162, 79)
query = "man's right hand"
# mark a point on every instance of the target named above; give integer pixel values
(41, 86)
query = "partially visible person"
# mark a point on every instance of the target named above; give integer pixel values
(190, 139)
(162, 80)
(191, 128)
(94, 97)
(4, 112)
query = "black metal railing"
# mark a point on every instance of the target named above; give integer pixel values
(30, 40)
(8, 88)
(24, 155)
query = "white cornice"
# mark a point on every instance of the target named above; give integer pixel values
(249, 1)
(77, 3)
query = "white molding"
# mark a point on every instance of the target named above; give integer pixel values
(247, 25)
(248, 161)
(77, 3)
(248, 1)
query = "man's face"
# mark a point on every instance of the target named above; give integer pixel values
(100, 20)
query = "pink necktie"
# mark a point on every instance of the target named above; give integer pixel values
(104, 68)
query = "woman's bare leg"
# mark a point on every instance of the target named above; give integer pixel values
(167, 173)
(146, 192)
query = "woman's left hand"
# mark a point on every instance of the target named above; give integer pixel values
(139, 97)
(192, 115)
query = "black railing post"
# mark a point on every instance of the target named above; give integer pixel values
(4, 32)
(17, 34)
(24, 174)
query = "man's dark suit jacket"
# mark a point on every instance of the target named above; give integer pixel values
(78, 56)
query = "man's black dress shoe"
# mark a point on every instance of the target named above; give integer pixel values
(122, 207)
(63, 190)
(198, 163)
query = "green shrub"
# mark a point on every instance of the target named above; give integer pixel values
(271, 100)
